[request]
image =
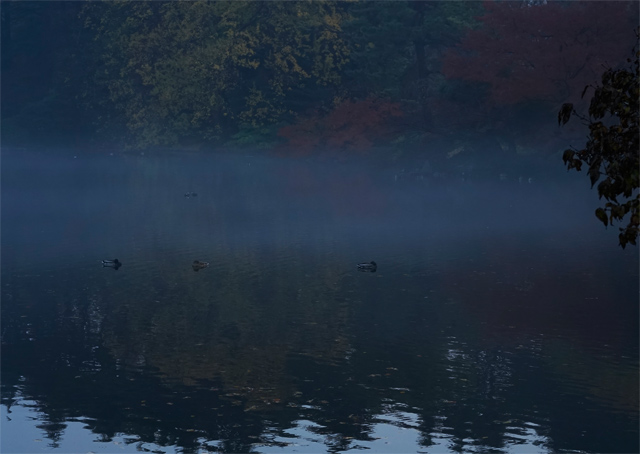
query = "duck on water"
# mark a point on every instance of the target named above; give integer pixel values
(371, 266)
(115, 263)
(198, 265)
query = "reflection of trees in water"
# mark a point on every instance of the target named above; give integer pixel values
(238, 326)
(233, 366)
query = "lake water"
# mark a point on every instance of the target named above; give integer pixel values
(502, 317)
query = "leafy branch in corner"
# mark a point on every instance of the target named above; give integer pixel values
(612, 148)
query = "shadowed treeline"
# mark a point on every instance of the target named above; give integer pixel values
(303, 77)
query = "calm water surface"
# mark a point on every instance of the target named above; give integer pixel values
(502, 317)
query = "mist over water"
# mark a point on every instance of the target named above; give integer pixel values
(502, 315)
(101, 202)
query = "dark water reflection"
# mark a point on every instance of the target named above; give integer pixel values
(502, 317)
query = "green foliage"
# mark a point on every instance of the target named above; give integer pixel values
(255, 137)
(611, 152)
(156, 73)
(386, 39)
(199, 69)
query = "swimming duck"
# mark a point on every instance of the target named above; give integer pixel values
(198, 265)
(371, 266)
(114, 262)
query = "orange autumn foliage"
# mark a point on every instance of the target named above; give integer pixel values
(350, 126)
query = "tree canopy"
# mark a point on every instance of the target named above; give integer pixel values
(543, 52)
(200, 68)
(346, 74)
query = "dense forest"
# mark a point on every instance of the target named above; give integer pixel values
(299, 77)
